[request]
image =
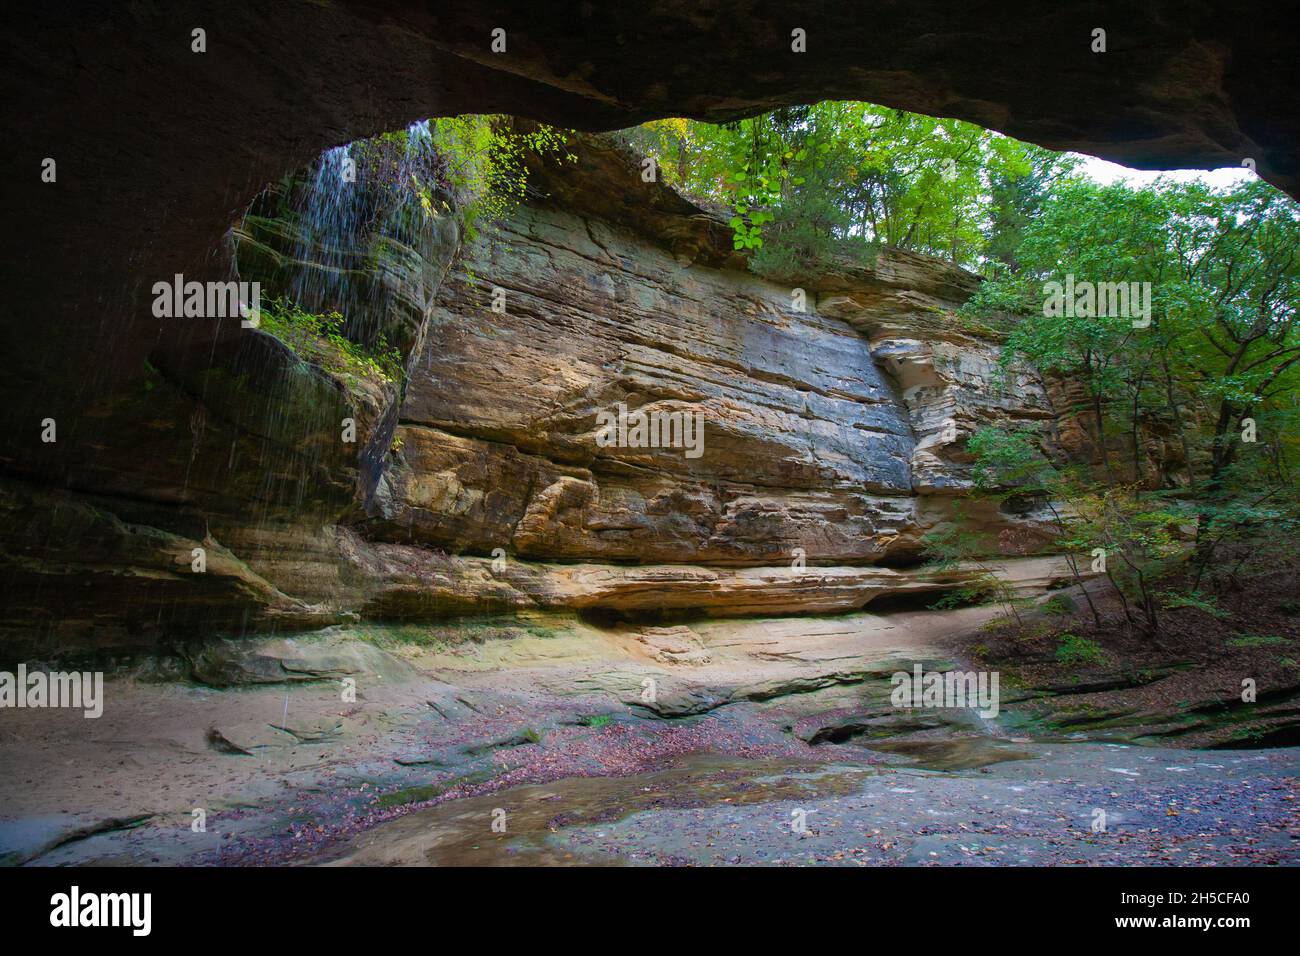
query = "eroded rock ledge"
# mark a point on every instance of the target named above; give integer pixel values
(834, 439)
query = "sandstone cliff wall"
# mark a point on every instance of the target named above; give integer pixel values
(838, 429)
(833, 437)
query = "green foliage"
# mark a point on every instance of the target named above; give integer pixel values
(320, 339)
(1236, 528)
(1008, 460)
(981, 590)
(484, 163)
(1222, 345)
(1207, 603)
(1074, 650)
(596, 721)
(995, 301)
(1140, 541)
(474, 165)
(1224, 274)
(945, 548)
(151, 376)
(1057, 606)
(1256, 640)
(809, 185)
(1021, 182)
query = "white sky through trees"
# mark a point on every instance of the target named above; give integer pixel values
(1106, 173)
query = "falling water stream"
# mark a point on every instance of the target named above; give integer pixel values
(348, 231)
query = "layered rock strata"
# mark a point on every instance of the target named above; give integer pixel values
(834, 416)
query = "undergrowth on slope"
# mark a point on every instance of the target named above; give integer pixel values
(319, 339)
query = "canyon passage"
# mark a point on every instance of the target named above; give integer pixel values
(413, 602)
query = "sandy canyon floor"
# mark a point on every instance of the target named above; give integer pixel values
(763, 742)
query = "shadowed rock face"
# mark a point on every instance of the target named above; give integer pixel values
(160, 149)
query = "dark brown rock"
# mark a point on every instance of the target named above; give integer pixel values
(199, 423)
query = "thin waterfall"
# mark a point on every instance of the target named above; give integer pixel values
(352, 198)
(344, 232)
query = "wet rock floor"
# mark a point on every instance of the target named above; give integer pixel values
(550, 758)
(731, 787)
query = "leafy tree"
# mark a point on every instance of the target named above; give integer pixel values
(1218, 359)
(841, 179)
(1021, 179)
(1223, 335)
(1232, 294)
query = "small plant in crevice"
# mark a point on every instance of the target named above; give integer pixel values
(320, 339)
(481, 161)
(1073, 650)
(1058, 606)
(949, 549)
